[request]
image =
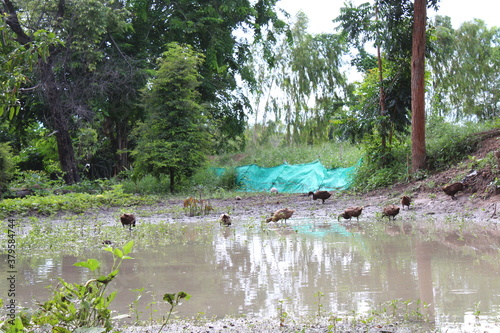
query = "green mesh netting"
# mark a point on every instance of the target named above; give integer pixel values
(298, 178)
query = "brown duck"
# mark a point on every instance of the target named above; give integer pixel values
(225, 219)
(281, 214)
(351, 212)
(453, 189)
(128, 219)
(405, 201)
(391, 210)
(323, 195)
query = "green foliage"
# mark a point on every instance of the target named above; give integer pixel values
(6, 166)
(174, 300)
(148, 184)
(174, 139)
(210, 27)
(70, 202)
(17, 63)
(381, 167)
(466, 67)
(307, 70)
(76, 306)
(448, 144)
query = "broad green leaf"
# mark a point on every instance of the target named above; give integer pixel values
(117, 252)
(127, 248)
(91, 264)
(169, 298)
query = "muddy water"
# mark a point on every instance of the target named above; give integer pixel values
(304, 268)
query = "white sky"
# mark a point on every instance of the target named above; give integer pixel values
(322, 12)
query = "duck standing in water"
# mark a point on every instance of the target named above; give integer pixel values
(128, 219)
(391, 210)
(225, 220)
(281, 214)
(323, 195)
(351, 212)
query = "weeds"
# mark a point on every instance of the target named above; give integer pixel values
(75, 305)
(70, 202)
(174, 300)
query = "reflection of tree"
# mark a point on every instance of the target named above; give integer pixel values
(424, 274)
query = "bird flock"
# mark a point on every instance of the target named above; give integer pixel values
(390, 211)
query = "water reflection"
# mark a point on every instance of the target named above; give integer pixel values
(305, 267)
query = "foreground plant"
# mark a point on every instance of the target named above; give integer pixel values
(78, 307)
(174, 300)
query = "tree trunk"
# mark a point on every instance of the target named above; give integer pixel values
(383, 111)
(418, 87)
(172, 180)
(60, 124)
(117, 131)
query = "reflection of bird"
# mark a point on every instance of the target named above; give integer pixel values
(405, 201)
(452, 189)
(351, 212)
(225, 219)
(281, 214)
(391, 210)
(128, 219)
(323, 195)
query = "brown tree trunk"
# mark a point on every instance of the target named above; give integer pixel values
(383, 111)
(59, 119)
(172, 180)
(117, 131)
(418, 87)
(60, 124)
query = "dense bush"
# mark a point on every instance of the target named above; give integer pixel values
(381, 168)
(447, 144)
(6, 166)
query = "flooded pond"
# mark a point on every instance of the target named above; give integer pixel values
(303, 268)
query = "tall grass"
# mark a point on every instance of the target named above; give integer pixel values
(330, 154)
(447, 144)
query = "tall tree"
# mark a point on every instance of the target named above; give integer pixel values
(174, 139)
(465, 69)
(61, 77)
(211, 28)
(418, 86)
(307, 70)
(388, 24)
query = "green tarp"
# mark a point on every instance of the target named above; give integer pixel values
(298, 178)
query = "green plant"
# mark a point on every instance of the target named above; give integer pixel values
(6, 166)
(477, 312)
(319, 294)
(282, 313)
(174, 300)
(194, 207)
(74, 306)
(133, 306)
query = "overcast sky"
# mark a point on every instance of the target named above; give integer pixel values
(322, 12)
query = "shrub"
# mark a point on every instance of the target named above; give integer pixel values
(6, 166)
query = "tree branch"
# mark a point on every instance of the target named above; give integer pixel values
(13, 22)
